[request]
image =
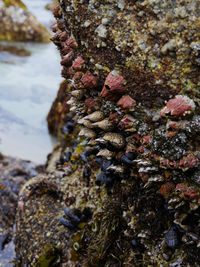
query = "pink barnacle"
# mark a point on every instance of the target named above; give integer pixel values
(190, 194)
(113, 117)
(126, 102)
(67, 59)
(57, 12)
(65, 49)
(113, 84)
(186, 191)
(89, 102)
(172, 125)
(178, 106)
(65, 72)
(63, 36)
(60, 25)
(77, 77)
(71, 43)
(188, 162)
(88, 80)
(127, 122)
(167, 188)
(146, 139)
(167, 163)
(78, 63)
(181, 187)
(124, 123)
(54, 27)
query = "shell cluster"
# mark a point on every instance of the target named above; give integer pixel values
(158, 146)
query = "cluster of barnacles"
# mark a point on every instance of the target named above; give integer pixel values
(118, 132)
(159, 145)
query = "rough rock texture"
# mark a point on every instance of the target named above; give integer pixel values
(122, 188)
(13, 174)
(57, 115)
(18, 24)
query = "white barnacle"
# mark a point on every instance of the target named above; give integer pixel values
(77, 94)
(95, 116)
(105, 153)
(88, 133)
(115, 139)
(105, 125)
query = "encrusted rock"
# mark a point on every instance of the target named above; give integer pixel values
(18, 24)
(141, 179)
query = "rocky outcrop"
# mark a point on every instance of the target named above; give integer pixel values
(18, 24)
(14, 173)
(122, 188)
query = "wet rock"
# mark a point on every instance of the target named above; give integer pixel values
(140, 106)
(18, 24)
(14, 173)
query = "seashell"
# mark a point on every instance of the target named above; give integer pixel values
(86, 173)
(105, 165)
(171, 237)
(86, 123)
(115, 139)
(73, 109)
(88, 133)
(71, 101)
(77, 94)
(95, 116)
(105, 125)
(88, 80)
(92, 142)
(178, 106)
(156, 178)
(113, 84)
(67, 223)
(147, 169)
(71, 43)
(116, 168)
(78, 64)
(68, 155)
(127, 102)
(63, 36)
(67, 59)
(101, 140)
(127, 159)
(70, 216)
(103, 178)
(105, 153)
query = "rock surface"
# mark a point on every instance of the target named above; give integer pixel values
(18, 24)
(122, 188)
(14, 173)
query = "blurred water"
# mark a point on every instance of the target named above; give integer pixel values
(28, 85)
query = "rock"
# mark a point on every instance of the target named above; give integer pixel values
(14, 50)
(58, 110)
(18, 24)
(13, 175)
(139, 69)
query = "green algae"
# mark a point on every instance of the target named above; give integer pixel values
(97, 237)
(50, 257)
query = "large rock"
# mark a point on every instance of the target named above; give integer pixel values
(122, 188)
(14, 173)
(18, 24)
